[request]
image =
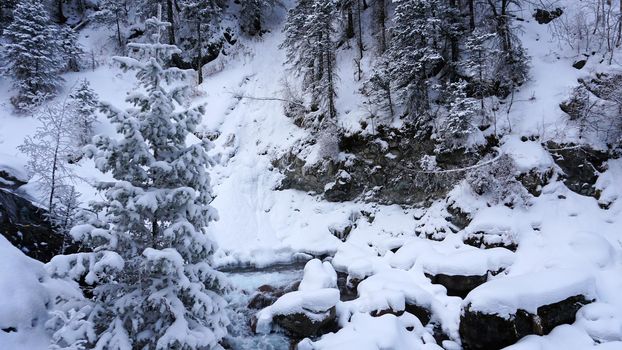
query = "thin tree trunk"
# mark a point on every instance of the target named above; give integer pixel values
(472, 14)
(61, 16)
(119, 31)
(199, 53)
(171, 19)
(360, 28)
(53, 181)
(382, 22)
(350, 23)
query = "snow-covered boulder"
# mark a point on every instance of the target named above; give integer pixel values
(365, 332)
(464, 270)
(301, 313)
(500, 312)
(308, 310)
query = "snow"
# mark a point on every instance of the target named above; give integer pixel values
(504, 296)
(375, 333)
(527, 155)
(468, 262)
(27, 296)
(567, 243)
(318, 275)
(316, 294)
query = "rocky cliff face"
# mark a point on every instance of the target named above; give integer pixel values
(24, 224)
(382, 168)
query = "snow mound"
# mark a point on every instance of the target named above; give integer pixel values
(467, 262)
(318, 275)
(365, 332)
(504, 296)
(527, 155)
(23, 297)
(28, 297)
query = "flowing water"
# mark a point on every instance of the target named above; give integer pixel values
(247, 280)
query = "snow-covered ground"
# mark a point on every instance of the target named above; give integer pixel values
(567, 244)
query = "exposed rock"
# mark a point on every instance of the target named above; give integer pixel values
(266, 295)
(300, 325)
(382, 168)
(457, 217)
(490, 331)
(26, 227)
(534, 180)
(488, 240)
(580, 165)
(458, 285)
(346, 291)
(341, 231)
(342, 188)
(575, 106)
(579, 64)
(545, 17)
(424, 315)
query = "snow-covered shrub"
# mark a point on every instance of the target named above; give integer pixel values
(50, 151)
(497, 182)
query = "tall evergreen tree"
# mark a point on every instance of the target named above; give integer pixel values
(310, 51)
(160, 291)
(202, 20)
(70, 48)
(33, 55)
(414, 53)
(252, 13)
(84, 102)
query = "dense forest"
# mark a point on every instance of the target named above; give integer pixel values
(310, 174)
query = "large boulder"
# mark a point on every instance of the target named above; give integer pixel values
(301, 325)
(544, 16)
(581, 166)
(500, 312)
(462, 271)
(300, 313)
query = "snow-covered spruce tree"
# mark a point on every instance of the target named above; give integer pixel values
(510, 63)
(160, 291)
(414, 54)
(457, 126)
(84, 102)
(378, 89)
(49, 151)
(70, 48)
(33, 56)
(311, 53)
(477, 64)
(252, 13)
(202, 21)
(6, 13)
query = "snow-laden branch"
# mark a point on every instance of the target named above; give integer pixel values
(472, 167)
(240, 96)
